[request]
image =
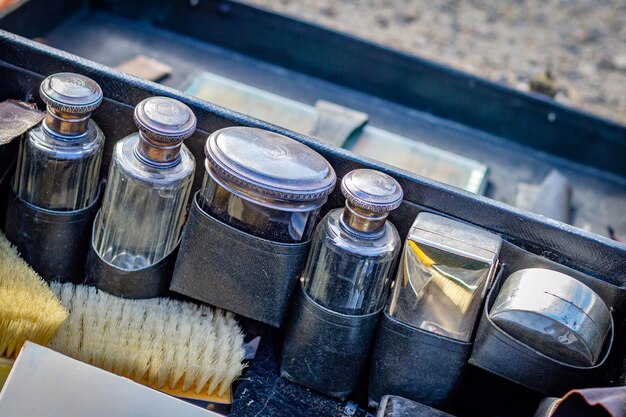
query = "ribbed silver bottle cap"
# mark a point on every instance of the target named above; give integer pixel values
(71, 93)
(164, 120)
(264, 164)
(371, 190)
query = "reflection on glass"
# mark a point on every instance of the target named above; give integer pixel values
(143, 208)
(349, 273)
(58, 173)
(437, 289)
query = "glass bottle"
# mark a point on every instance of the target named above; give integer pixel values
(355, 248)
(149, 183)
(265, 184)
(58, 164)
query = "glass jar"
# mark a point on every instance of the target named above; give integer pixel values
(355, 249)
(264, 183)
(150, 179)
(58, 164)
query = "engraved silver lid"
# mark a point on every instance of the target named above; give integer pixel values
(164, 120)
(371, 190)
(263, 164)
(71, 93)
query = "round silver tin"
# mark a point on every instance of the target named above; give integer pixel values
(553, 313)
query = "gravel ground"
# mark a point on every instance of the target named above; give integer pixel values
(574, 50)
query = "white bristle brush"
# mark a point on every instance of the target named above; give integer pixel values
(164, 342)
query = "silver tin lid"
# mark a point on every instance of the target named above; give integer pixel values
(71, 93)
(371, 190)
(456, 237)
(553, 313)
(263, 164)
(164, 120)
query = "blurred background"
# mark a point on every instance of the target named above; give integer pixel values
(572, 50)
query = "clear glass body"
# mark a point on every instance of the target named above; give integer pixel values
(271, 220)
(58, 173)
(348, 271)
(440, 291)
(143, 210)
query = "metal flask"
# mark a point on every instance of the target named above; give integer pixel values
(446, 269)
(553, 313)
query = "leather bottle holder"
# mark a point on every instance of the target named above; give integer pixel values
(416, 364)
(325, 350)
(236, 271)
(54, 243)
(149, 282)
(497, 352)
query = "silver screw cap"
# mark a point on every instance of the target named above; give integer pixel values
(371, 190)
(164, 120)
(71, 93)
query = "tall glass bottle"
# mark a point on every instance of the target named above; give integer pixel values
(149, 184)
(355, 249)
(59, 161)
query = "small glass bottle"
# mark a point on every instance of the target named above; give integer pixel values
(355, 249)
(58, 164)
(265, 184)
(149, 183)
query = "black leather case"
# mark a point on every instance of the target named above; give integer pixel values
(325, 350)
(54, 243)
(236, 271)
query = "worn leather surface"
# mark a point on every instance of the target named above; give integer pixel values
(54, 243)
(497, 352)
(324, 350)
(393, 406)
(236, 271)
(263, 393)
(416, 364)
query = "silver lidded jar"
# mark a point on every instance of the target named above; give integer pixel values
(355, 248)
(554, 314)
(58, 164)
(150, 179)
(264, 183)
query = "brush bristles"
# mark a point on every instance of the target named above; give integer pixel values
(165, 342)
(28, 309)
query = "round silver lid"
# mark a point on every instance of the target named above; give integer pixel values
(164, 120)
(266, 164)
(371, 190)
(554, 313)
(71, 93)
